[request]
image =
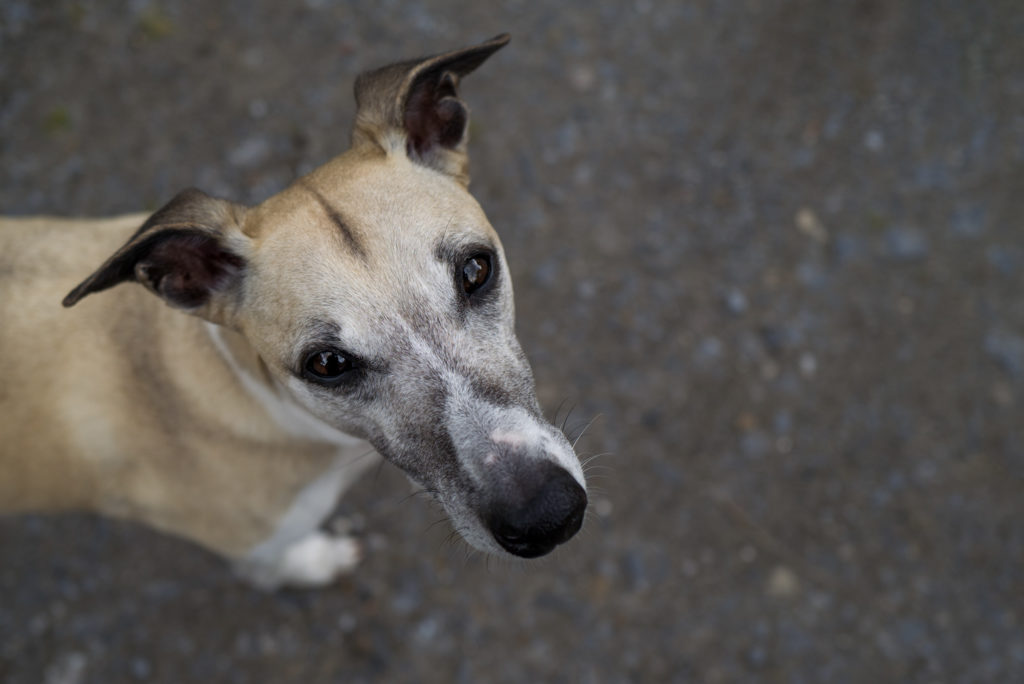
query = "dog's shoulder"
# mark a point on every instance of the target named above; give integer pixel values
(33, 246)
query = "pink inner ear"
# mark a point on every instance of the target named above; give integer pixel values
(185, 269)
(434, 116)
(451, 116)
(177, 253)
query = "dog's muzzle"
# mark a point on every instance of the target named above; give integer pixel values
(543, 509)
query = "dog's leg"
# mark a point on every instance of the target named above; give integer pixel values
(313, 561)
(298, 553)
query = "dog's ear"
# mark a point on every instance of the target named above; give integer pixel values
(189, 253)
(414, 105)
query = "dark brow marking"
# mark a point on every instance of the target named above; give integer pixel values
(452, 250)
(350, 237)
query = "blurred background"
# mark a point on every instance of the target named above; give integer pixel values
(771, 248)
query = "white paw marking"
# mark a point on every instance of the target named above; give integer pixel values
(318, 559)
(313, 561)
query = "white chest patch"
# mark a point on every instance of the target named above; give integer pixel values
(286, 413)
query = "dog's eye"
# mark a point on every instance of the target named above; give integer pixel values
(327, 366)
(476, 271)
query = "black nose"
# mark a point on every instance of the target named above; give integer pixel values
(548, 511)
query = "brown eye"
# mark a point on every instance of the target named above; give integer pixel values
(327, 366)
(476, 271)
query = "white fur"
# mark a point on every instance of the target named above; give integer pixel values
(292, 554)
(319, 558)
(297, 553)
(511, 427)
(288, 414)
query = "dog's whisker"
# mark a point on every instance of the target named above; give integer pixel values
(587, 460)
(584, 430)
(568, 413)
(417, 493)
(437, 522)
(558, 410)
(447, 409)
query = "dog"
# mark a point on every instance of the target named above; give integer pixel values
(365, 311)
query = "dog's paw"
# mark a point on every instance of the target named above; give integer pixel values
(314, 561)
(319, 558)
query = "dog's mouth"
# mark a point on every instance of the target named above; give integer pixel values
(509, 481)
(526, 513)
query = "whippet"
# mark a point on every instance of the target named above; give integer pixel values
(366, 309)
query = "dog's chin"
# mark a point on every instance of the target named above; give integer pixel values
(482, 537)
(485, 541)
(469, 525)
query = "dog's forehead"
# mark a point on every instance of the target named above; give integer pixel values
(368, 213)
(366, 239)
(374, 203)
(397, 202)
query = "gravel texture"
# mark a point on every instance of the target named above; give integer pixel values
(772, 248)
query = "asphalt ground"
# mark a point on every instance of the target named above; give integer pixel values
(770, 251)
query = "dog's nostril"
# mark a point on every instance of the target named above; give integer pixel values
(574, 521)
(507, 534)
(549, 517)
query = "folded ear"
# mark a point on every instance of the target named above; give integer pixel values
(414, 105)
(189, 253)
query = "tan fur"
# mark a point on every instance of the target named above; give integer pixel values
(123, 406)
(208, 425)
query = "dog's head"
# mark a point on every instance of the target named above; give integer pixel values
(377, 295)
